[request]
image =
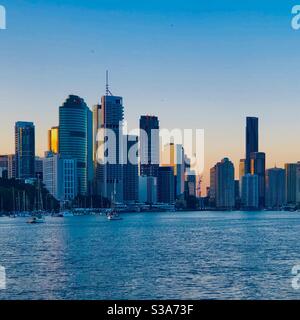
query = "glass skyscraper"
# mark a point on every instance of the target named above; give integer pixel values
(75, 139)
(258, 167)
(275, 188)
(24, 150)
(251, 140)
(108, 151)
(53, 139)
(149, 146)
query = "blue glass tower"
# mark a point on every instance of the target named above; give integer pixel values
(251, 141)
(75, 139)
(25, 150)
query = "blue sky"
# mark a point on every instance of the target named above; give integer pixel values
(195, 64)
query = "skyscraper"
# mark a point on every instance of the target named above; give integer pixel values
(275, 188)
(148, 189)
(39, 168)
(250, 191)
(212, 189)
(25, 150)
(97, 123)
(291, 183)
(108, 128)
(165, 185)
(224, 184)
(173, 156)
(53, 139)
(149, 146)
(60, 176)
(11, 166)
(131, 170)
(251, 140)
(4, 166)
(241, 173)
(258, 167)
(75, 139)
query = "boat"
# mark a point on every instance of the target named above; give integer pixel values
(35, 220)
(113, 217)
(67, 214)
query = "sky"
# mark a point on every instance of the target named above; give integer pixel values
(199, 64)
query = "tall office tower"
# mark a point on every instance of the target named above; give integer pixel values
(97, 123)
(275, 188)
(165, 185)
(53, 139)
(11, 166)
(60, 176)
(3, 161)
(191, 184)
(148, 189)
(173, 156)
(131, 170)
(258, 167)
(212, 188)
(75, 139)
(251, 140)
(108, 127)
(39, 168)
(250, 191)
(237, 193)
(241, 173)
(224, 180)
(149, 146)
(25, 150)
(4, 166)
(291, 183)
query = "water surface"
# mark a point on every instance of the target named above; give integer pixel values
(193, 255)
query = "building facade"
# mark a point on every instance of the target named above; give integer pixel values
(165, 185)
(25, 150)
(250, 191)
(224, 185)
(148, 189)
(258, 167)
(60, 176)
(291, 183)
(251, 140)
(149, 146)
(75, 139)
(53, 139)
(131, 170)
(108, 127)
(275, 188)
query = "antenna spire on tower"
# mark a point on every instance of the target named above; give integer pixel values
(108, 93)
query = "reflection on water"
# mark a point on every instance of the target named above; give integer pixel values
(211, 255)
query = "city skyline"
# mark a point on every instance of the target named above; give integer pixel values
(219, 73)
